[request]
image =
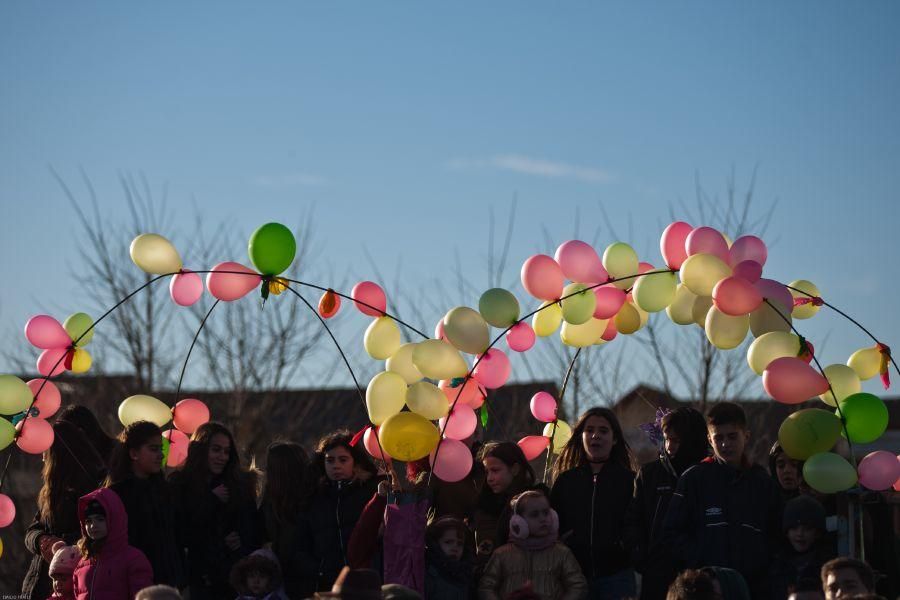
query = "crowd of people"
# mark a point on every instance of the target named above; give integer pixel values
(701, 522)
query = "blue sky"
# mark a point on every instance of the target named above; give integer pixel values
(402, 123)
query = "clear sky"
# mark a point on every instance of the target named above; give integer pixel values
(403, 122)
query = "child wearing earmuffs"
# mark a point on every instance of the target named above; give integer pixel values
(533, 555)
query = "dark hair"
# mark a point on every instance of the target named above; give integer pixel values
(440, 526)
(195, 470)
(286, 481)
(255, 563)
(510, 454)
(690, 427)
(573, 454)
(774, 452)
(863, 570)
(132, 437)
(82, 418)
(362, 463)
(692, 584)
(727, 413)
(71, 466)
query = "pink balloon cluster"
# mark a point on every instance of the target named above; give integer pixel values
(47, 334)
(187, 416)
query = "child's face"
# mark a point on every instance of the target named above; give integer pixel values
(598, 438)
(147, 459)
(536, 512)
(219, 453)
(451, 544)
(63, 585)
(787, 472)
(257, 583)
(802, 537)
(95, 526)
(498, 475)
(672, 441)
(338, 464)
(728, 442)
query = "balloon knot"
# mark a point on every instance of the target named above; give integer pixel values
(814, 300)
(358, 436)
(884, 368)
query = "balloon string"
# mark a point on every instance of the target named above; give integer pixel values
(191, 349)
(562, 393)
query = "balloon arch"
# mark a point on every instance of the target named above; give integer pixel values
(721, 289)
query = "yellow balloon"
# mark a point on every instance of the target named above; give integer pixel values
(466, 329)
(143, 408)
(681, 310)
(579, 308)
(437, 359)
(653, 293)
(428, 400)
(767, 318)
(81, 361)
(401, 363)
(547, 320)
(1, 547)
(382, 338)
(628, 319)
(700, 309)
(385, 396)
(866, 362)
(560, 435)
(407, 436)
(701, 272)
(804, 311)
(155, 254)
(769, 346)
(725, 331)
(621, 261)
(844, 382)
(584, 335)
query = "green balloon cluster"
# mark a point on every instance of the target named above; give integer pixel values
(499, 307)
(272, 248)
(865, 416)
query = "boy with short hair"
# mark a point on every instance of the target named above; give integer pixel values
(726, 511)
(845, 576)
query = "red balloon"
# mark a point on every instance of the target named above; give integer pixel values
(189, 414)
(533, 445)
(609, 300)
(372, 445)
(520, 337)
(7, 510)
(370, 293)
(236, 282)
(36, 435)
(748, 247)
(329, 304)
(736, 296)
(672, 244)
(611, 332)
(493, 369)
(473, 393)
(52, 362)
(706, 240)
(791, 380)
(542, 277)
(749, 270)
(580, 262)
(178, 447)
(48, 401)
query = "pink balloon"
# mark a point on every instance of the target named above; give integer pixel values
(580, 262)
(791, 380)
(45, 332)
(672, 244)
(706, 240)
(7, 510)
(749, 270)
(609, 300)
(52, 362)
(232, 285)
(736, 296)
(439, 331)
(611, 332)
(776, 292)
(543, 407)
(748, 247)
(533, 445)
(520, 337)
(879, 470)
(48, 401)
(36, 435)
(186, 288)
(542, 277)
(369, 293)
(493, 369)
(473, 393)
(451, 460)
(370, 442)
(178, 447)
(460, 423)
(189, 414)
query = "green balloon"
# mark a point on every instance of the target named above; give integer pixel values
(166, 445)
(579, 308)
(829, 473)
(76, 325)
(866, 417)
(809, 431)
(7, 433)
(499, 307)
(15, 396)
(272, 248)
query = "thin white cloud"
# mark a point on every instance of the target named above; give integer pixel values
(288, 180)
(534, 166)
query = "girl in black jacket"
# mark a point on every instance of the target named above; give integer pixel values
(591, 493)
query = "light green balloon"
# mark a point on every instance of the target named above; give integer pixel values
(579, 308)
(466, 329)
(7, 433)
(829, 473)
(76, 325)
(499, 307)
(866, 417)
(808, 432)
(654, 293)
(15, 395)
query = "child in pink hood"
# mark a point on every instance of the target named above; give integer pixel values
(109, 569)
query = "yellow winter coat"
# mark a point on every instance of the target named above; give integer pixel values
(553, 572)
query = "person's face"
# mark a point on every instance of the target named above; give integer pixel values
(451, 544)
(842, 583)
(672, 442)
(147, 459)
(787, 472)
(598, 439)
(64, 586)
(536, 513)
(257, 583)
(728, 442)
(95, 526)
(219, 452)
(498, 475)
(338, 464)
(802, 537)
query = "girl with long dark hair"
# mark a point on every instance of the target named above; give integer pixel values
(82, 418)
(506, 474)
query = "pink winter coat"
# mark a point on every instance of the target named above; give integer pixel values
(404, 541)
(121, 571)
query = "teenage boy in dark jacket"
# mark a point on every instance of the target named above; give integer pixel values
(726, 511)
